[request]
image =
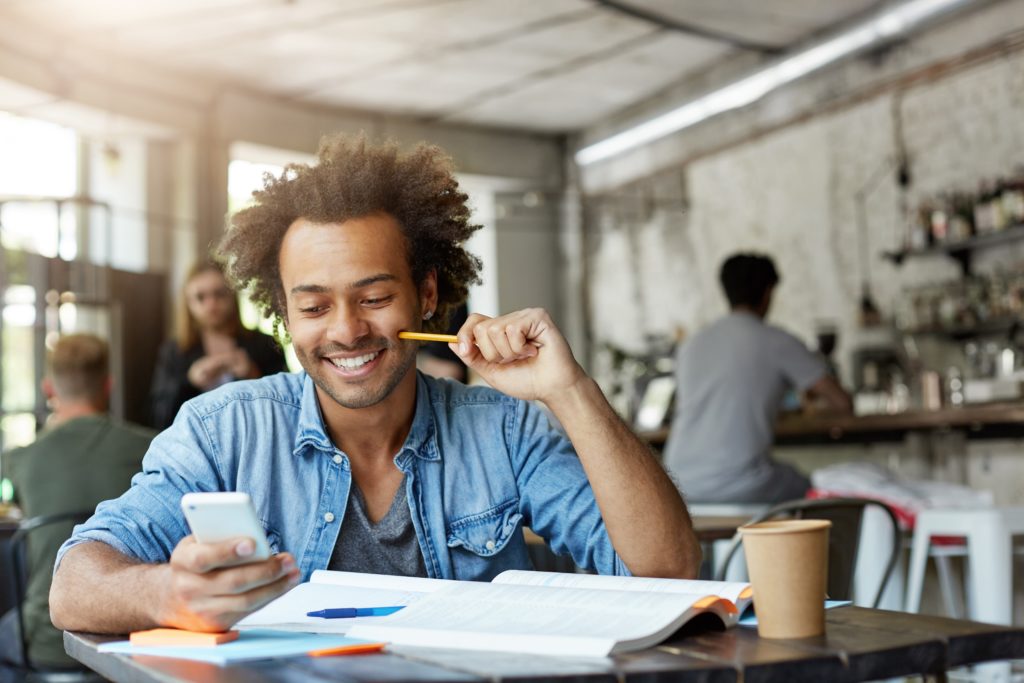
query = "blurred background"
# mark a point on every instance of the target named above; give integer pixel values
(615, 152)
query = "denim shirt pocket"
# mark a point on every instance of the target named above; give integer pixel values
(487, 533)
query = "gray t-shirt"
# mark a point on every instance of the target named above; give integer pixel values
(387, 547)
(731, 379)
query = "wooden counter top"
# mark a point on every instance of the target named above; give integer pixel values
(793, 428)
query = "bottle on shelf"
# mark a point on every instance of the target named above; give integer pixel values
(983, 219)
(962, 221)
(1012, 198)
(938, 220)
(918, 233)
(996, 209)
(954, 387)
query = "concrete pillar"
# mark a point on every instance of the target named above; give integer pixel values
(211, 183)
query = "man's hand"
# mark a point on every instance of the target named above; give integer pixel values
(210, 588)
(521, 354)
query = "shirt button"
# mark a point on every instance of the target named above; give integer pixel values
(329, 517)
(337, 459)
(489, 545)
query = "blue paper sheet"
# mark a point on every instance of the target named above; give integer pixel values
(250, 645)
(749, 618)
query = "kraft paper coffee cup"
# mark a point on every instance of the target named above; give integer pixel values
(788, 565)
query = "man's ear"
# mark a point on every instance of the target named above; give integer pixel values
(428, 292)
(766, 302)
(48, 390)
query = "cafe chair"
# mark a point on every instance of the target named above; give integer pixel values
(29, 671)
(715, 524)
(844, 542)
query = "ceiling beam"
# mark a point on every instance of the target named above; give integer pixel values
(605, 53)
(690, 29)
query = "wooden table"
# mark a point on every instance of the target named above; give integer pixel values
(860, 644)
(710, 528)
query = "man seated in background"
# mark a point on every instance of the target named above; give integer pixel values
(84, 456)
(731, 378)
(360, 463)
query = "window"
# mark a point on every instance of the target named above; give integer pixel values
(39, 160)
(245, 174)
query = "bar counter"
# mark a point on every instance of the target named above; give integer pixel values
(988, 420)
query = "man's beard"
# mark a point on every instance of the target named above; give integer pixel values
(359, 395)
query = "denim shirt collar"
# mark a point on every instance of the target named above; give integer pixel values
(310, 432)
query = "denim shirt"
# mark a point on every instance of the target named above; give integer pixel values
(479, 466)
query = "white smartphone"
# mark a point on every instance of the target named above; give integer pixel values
(215, 517)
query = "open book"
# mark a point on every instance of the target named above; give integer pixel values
(519, 611)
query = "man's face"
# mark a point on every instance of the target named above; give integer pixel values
(349, 292)
(209, 300)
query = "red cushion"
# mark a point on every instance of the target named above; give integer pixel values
(905, 516)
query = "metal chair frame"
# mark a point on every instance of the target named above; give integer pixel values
(18, 546)
(846, 514)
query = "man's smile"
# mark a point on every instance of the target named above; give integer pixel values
(356, 366)
(355, 362)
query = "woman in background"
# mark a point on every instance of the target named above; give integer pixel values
(210, 347)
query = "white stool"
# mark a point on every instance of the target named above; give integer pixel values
(989, 578)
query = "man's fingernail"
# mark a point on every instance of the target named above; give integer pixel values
(245, 548)
(287, 564)
(463, 348)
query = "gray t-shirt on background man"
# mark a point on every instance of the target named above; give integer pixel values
(731, 380)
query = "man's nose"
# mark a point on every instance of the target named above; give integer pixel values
(348, 326)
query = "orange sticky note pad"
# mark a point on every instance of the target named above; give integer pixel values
(359, 649)
(171, 637)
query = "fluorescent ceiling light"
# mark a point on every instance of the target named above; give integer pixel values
(884, 26)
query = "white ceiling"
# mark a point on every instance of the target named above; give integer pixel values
(543, 65)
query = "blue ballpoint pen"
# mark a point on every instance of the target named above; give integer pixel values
(350, 612)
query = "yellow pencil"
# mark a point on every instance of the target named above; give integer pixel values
(427, 336)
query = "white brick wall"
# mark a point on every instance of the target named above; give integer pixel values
(792, 194)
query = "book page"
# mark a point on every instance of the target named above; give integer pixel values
(730, 590)
(411, 584)
(538, 619)
(327, 589)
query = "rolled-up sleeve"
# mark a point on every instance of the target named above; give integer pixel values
(555, 496)
(146, 522)
(801, 367)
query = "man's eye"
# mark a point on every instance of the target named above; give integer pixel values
(377, 301)
(311, 309)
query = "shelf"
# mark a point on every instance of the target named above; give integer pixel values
(989, 327)
(990, 420)
(960, 250)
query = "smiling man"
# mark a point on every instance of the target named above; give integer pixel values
(360, 463)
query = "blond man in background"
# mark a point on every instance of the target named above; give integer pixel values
(82, 457)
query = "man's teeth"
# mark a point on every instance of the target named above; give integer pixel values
(357, 362)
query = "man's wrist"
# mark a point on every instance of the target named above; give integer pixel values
(578, 394)
(158, 576)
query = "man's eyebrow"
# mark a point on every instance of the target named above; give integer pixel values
(365, 282)
(311, 289)
(372, 280)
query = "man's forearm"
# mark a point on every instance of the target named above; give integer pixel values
(99, 590)
(642, 510)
